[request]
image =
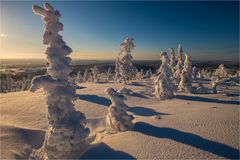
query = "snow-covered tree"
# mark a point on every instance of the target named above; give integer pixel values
(148, 73)
(79, 77)
(185, 84)
(163, 83)
(199, 75)
(109, 75)
(178, 68)
(95, 72)
(194, 73)
(117, 119)
(221, 71)
(124, 65)
(66, 134)
(85, 76)
(172, 58)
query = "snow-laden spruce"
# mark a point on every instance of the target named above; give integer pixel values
(148, 73)
(79, 77)
(185, 84)
(178, 68)
(194, 73)
(172, 58)
(123, 64)
(221, 71)
(95, 72)
(117, 119)
(163, 84)
(109, 75)
(213, 86)
(85, 76)
(66, 134)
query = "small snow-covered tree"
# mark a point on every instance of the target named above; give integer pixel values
(79, 77)
(148, 73)
(163, 83)
(221, 71)
(178, 68)
(124, 65)
(185, 84)
(117, 119)
(215, 82)
(95, 72)
(109, 75)
(194, 73)
(85, 76)
(66, 134)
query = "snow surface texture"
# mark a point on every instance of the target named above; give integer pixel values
(123, 65)
(203, 126)
(117, 119)
(163, 84)
(66, 133)
(185, 84)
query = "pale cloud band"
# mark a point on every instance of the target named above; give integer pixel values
(2, 35)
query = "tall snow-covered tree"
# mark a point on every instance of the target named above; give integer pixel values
(178, 68)
(163, 83)
(124, 65)
(66, 135)
(185, 84)
(172, 58)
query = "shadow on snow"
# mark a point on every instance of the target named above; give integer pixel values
(95, 99)
(142, 111)
(203, 99)
(103, 151)
(193, 140)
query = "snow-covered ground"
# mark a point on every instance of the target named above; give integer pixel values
(188, 126)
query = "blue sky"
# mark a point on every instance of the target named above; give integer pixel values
(206, 29)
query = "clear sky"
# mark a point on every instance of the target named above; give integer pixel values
(207, 30)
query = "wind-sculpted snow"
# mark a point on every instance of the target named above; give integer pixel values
(117, 119)
(123, 64)
(163, 84)
(125, 91)
(117, 98)
(66, 134)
